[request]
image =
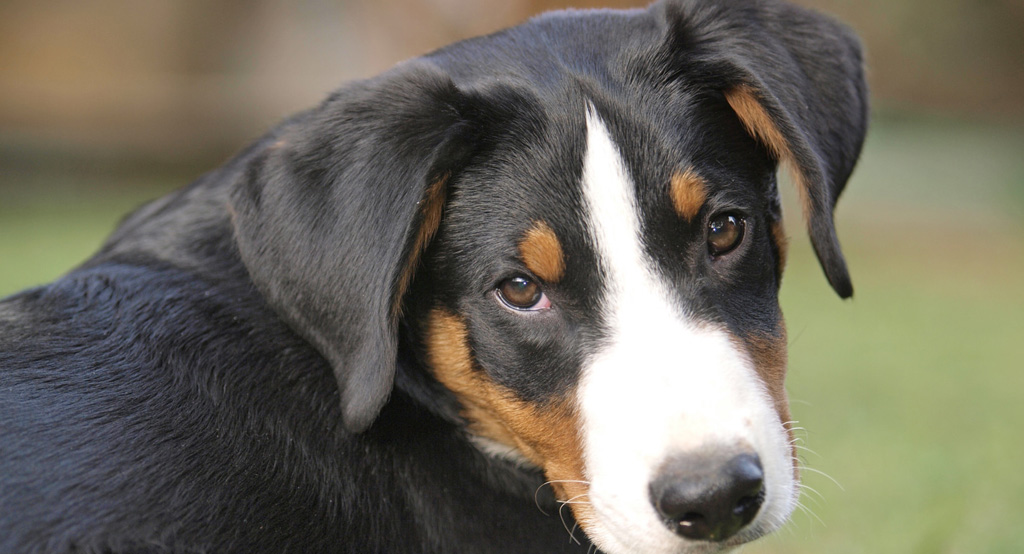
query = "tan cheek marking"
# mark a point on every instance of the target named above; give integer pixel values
(770, 358)
(542, 253)
(759, 124)
(547, 435)
(782, 242)
(431, 208)
(689, 192)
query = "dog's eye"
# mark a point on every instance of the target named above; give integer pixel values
(724, 233)
(522, 293)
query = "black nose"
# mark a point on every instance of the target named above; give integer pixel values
(709, 496)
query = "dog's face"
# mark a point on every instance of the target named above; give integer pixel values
(601, 298)
(578, 221)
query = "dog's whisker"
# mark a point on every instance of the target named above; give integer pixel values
(805, 509)
(800, 401)
(792, 425)
(817, 498)
(806, 449)
(572, 534)
(581, 495)
(536, 493)
(536, 499)
(778, 521)
(561, 516)
(574, 500)
(823, 474)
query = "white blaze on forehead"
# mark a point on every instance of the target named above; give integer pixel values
(661, 384)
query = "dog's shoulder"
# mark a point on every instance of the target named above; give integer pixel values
(120, 375)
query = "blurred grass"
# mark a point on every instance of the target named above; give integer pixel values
(51, 223)
(910, 393)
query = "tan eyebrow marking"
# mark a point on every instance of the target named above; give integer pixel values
(689, 192)
(542, 252)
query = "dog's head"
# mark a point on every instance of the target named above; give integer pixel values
(578, 219)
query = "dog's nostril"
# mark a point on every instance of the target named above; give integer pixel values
(709, 497)
(692, 523)
(749, 505)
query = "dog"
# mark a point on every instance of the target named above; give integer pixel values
(517, 295)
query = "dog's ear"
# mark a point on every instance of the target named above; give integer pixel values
(795, 78)
(332, 218)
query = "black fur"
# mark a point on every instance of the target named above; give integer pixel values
(233, 371)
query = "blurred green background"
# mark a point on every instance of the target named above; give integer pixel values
(910, 395)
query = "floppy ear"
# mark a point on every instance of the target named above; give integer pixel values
(795, 78)
(332, 218)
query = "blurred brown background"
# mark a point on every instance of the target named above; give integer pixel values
(188, 81)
